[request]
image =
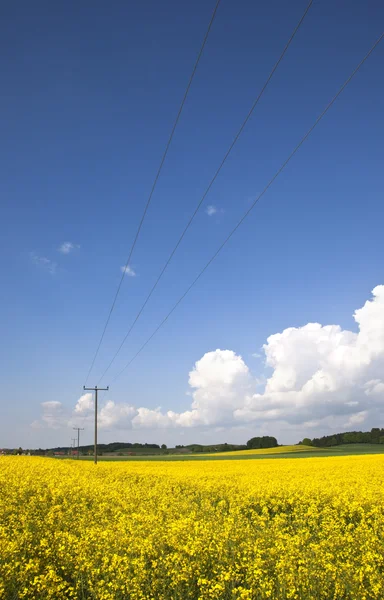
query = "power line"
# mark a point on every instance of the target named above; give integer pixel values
(154, 185)
(303, 139)
(233, 143)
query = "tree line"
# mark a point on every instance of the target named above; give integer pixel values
(375, 436)
(112, 447)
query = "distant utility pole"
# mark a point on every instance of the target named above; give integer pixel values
(73, 442)
(78, 429)
(96, 389)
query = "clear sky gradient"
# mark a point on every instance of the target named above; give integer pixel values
(89, 94)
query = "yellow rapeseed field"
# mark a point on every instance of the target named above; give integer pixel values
(281, 528)
(277, 450)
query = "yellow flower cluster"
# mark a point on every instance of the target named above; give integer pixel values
(275, 528)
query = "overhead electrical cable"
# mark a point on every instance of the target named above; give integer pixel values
(228, 152)
(153, 187)
(247, 213)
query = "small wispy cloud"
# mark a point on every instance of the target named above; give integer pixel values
(256, 355)
(44, 263)
(211, 210)
(67, 247)
(128, 271)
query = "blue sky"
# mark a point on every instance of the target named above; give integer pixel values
(90, 93)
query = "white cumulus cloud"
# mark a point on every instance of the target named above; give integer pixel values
(116, 415)
(84, 404)
(53, 415)
(356, 419)
(320, 371)
(322, 377)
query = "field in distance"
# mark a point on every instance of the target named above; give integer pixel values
(297, 451)
(264, 451)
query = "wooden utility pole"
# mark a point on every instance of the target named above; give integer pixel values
(78, 429)
(96, 389)
(73, 442)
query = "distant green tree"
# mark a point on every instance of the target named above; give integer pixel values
(375, 435)
(265, 441)
(307, 442)
(331, 441)
(163, 446)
